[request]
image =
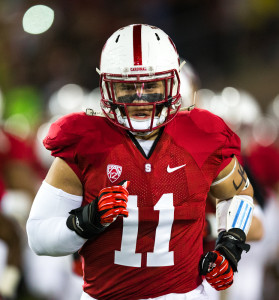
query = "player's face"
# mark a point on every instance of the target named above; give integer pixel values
(136, 93)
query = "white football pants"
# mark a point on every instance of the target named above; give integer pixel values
(197, 294)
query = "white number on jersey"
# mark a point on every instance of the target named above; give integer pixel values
(161, 256)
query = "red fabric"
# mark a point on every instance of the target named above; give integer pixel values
(137, 45)
(77, 267)
(198, 139)
(264, 164)
(13, 148)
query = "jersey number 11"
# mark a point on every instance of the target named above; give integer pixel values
(161, 256)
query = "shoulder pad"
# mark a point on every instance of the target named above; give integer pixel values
(207, 121)
(69, 132)
(65, 131)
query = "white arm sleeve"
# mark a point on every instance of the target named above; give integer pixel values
(222, 209)
(236, 212)
(46, 226)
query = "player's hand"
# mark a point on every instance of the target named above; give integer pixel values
(89, 220)
(112, 202)
(216, 270)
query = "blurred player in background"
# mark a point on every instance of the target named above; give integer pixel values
(128, 190)
(262, 157)
(10, 253)
(233, 106)
(11, 258)
(190, 84)
(18, 185)
(22, 171)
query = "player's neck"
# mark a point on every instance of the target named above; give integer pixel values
(151, 136)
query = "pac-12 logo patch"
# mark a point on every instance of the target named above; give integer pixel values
(114, 172)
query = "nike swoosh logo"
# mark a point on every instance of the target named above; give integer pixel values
(170, 170)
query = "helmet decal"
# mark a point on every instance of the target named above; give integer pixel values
(137, 45)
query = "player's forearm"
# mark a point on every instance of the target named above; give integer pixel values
(52, 237)
(234, 192)
(46, 227)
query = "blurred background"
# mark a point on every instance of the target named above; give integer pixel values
(48, 60)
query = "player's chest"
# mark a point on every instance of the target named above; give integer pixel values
(169, 170)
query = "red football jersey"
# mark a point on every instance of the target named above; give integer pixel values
(13, 148)
(264, 163)
(156, 250)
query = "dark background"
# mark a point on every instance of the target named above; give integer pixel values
(228, 42)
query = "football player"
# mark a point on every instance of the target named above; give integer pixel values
(128, 188)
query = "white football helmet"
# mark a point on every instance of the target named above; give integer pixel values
(139, 78)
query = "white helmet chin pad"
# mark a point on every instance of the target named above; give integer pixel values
(139, 125)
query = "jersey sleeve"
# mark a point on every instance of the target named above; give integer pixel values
(231, 148)
(222, 137)
(62, 140)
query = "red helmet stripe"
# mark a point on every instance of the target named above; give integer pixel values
(137, 45)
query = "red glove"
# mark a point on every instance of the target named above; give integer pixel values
(217, 270)
(112, 202)
(93, 218)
